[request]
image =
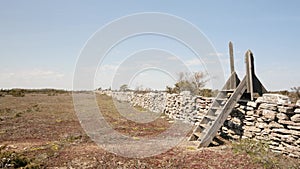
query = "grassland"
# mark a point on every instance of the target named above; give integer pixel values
(41, 130)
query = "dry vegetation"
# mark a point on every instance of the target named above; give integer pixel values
(41, 130)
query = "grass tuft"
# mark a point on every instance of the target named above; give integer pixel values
(260, 152)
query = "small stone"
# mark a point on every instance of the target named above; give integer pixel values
(296, 118)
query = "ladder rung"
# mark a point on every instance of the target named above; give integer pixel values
(217, 108)
(204, 126)
(222, 99)
(227, 90)
(197, 134)
(210, 117)
(213, 113)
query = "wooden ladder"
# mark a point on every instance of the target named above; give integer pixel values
(218, 113)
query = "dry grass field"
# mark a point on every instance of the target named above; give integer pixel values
(42, 131)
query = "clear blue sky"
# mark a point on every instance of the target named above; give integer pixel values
(41, 40)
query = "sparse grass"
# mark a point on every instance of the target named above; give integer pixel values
(260, 152)
(128, 127)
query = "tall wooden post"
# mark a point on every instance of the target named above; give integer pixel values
(253, 83)
(231, 57)
(249, 72)
(233, 79)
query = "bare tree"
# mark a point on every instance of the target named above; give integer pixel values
(297, 91)
(124, 87)
(192, 82)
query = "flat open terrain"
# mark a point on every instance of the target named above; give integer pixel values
(43, 131)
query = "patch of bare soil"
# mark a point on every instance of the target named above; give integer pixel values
(42, 131)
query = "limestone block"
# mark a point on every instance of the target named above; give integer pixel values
(289, 122)
(282, 116)
(249, 108)
(286, 131)
(268, 106)
(247, 134)
(266, 131)
(242, 107)
(252, 104)
(259, 120)
(261, 125)
(269, 114)
(274, 143)
(298, 103)
(280, 147)
(273, 124)
(259, 100)
(249, 118)
(276, 98)
(286, 110)
(247, 123)
(236, 120)
(296, 118)
(297, 111)
(285, 137)
(251, 129)
(249, 113)
(294, 127)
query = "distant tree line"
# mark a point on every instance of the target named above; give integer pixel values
(21, 92)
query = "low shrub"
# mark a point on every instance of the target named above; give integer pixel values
(17, 93)
(10, 159)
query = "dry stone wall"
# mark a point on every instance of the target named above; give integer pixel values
(263, 119)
